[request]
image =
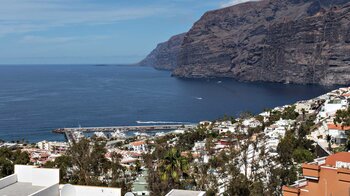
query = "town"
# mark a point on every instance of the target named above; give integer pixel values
(281, 151)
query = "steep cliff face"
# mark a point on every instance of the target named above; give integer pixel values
(279, 41)
(164, 56)
(296, 41)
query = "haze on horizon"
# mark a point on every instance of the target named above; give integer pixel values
(93, 31)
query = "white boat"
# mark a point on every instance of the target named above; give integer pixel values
(140, 134)
(118, 134)
(159, 134)
(78, 135)
(100, 134)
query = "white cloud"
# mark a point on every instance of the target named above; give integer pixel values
(233, 2)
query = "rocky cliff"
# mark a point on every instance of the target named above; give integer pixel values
(164, 56)
(296, 41)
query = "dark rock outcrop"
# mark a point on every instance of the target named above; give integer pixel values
(296, 41)
(164, 56)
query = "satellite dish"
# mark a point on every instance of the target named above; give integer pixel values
(129, 194)
(68, 190)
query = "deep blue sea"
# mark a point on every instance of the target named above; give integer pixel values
(35, 99)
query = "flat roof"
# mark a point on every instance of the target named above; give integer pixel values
(177, 192)
(20, 189)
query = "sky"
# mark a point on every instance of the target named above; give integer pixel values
(93, 31)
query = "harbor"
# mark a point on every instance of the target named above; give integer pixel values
(125, 128)
(75, 133)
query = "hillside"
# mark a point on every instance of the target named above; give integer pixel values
(271, 40)
(165, 55)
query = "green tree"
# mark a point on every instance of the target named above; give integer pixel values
(238, 186)
(342, 117)
(88, 160)
(8, 158)
(301, 155)
(119, 177)
(173, 168)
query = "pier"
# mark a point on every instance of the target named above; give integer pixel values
(124, 128)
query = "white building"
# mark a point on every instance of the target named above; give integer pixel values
(303, 106)
(331, 106)
(338, 133)
(138, 146)
(252, 122)
(275, 133)
(52, 146)
(32, 181)
(199, 146)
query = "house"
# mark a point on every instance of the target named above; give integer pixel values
(252, 122)
(53, 147)
(284, 123)
(205, 123)
(138, 146)
(33, 181)
(275, 132)
(302, 106)
(325, 176)
(331, 106)
(199, 146)
(338, 133)
(39, 156)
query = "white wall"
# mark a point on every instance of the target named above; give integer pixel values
(96, 191)
(8, 180)
(45, 176)
(37, 176)
(24, 173)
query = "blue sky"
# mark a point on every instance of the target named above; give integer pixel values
(93, 31)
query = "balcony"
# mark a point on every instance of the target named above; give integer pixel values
(311, 171)
(290, 191)
(344, 175)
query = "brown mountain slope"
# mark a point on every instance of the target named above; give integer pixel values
(164, 56)
(297, 41)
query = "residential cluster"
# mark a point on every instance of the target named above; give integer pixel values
(250, 142)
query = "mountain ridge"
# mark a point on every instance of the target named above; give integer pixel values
(291, 41)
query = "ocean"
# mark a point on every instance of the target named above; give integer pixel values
(35, 99)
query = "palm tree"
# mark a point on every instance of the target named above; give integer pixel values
(173, 167)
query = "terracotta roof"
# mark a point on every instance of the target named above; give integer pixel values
(137, 143)
(338, 127)
(187, 153)
(340, 156)
(128, 160)
(346, 95)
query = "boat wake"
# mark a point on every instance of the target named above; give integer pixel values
(160, 122)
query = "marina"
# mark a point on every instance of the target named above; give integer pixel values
(73, 134)
(125, 128)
